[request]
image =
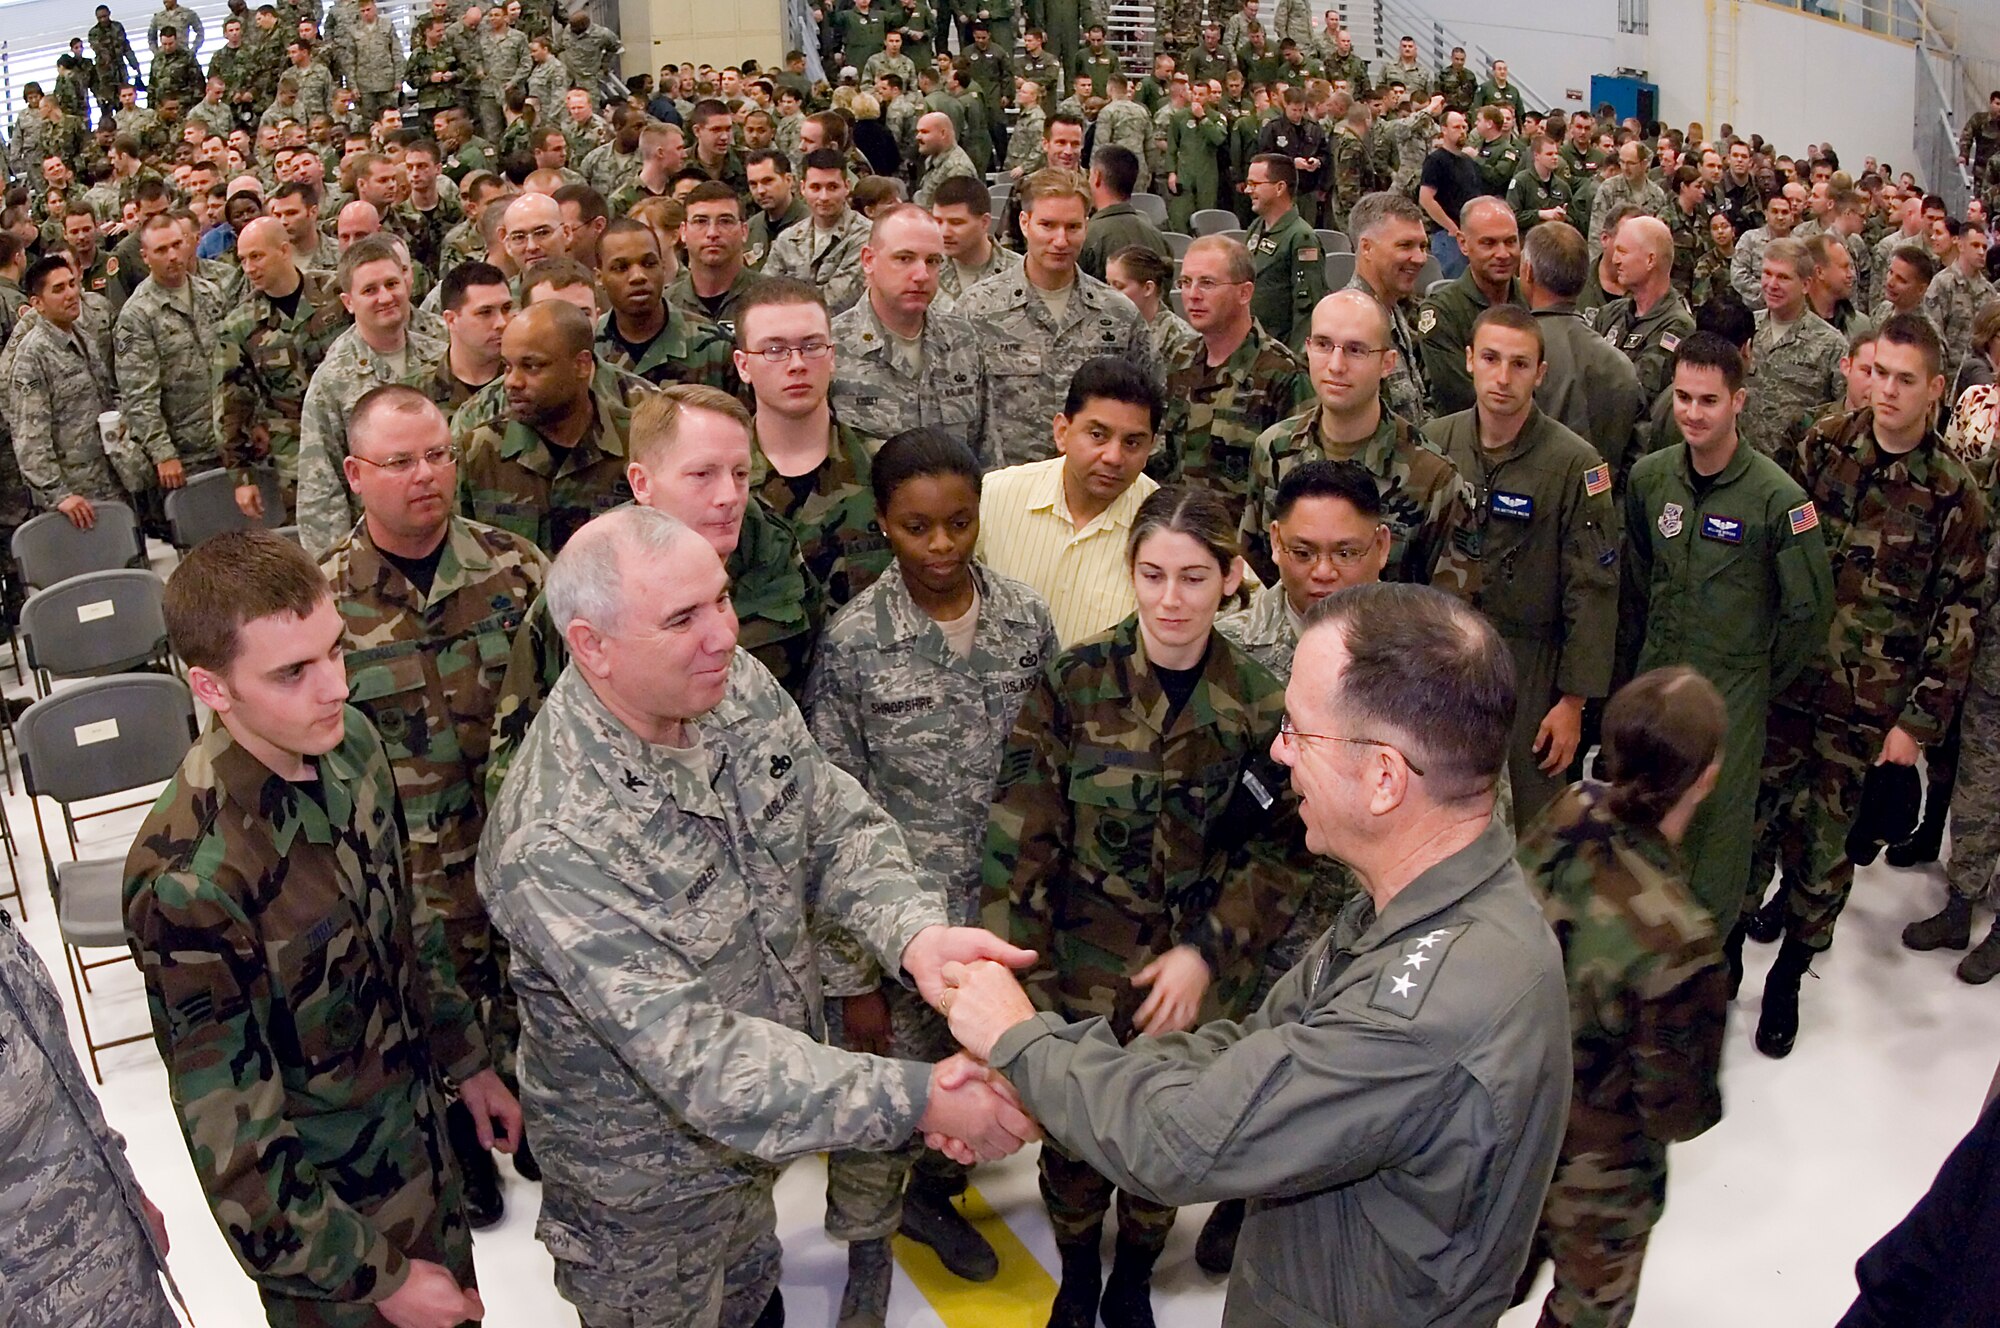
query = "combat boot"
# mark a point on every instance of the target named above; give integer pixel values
(931, 1218)
(865, 1303)
(525, 1165)
(484, 1203)
(1778, 1024)
(1949, 929)
(1767, 924)
(1732, 954)
(1215, 1248)
(1984, 962)
(1082, 1285)
(1128, 1294)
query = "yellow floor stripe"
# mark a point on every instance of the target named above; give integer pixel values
(1018, 1298)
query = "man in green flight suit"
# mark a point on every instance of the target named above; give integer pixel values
(1726, 572)
(1291, 273)
(1536, 551)
(1194, 172)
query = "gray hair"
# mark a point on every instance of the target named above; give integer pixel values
(1794, 255)
(587, 580)
(1555, 253)
(1373, 211)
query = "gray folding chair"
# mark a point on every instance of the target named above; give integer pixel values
(1240, 236)
(1333, 242)
(206, 506)
(95, 740)
(1152, 207)
(1339, 271)
(49, 549)
(1175, 302)
(91, 625)
(1432, 272)
(1437, 285)
(1177, 244)
(1214, 221)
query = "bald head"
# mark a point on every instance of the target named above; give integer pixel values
(356, 221)
(263, 231)
(1486, 210)
(544, 182)
(935, 134)
(1351, 309)
(532, 230)
(1642, 257)
(556, 325)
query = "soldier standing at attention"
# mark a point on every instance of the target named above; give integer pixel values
(899, 361)
(1041, 321)
(303, 996)
(164, 343)
(1492, 244)
(1794, 358)
(1347, 356)
(381, 347)
(374, 60)
(1389, 253)
(1113, 850)
(914, 690)
(1537, 551)
(542, 447)
(1725, 570)
(429, 601)
(1646, 987)
(810, 469)
(1284, 251)
(1907, 526)
(1230, 386)
(648, 860)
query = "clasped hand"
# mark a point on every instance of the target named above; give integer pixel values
(974, 1114)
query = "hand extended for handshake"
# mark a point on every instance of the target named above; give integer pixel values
(973, 1114)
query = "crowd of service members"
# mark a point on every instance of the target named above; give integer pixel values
(1052, 549)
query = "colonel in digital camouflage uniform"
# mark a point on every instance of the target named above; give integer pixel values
(1906, 529)
(1647, 987)
(649, 859)
(302, 993)
(431, 602)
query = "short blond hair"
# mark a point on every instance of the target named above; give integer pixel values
(1054, 182)
(656, 421)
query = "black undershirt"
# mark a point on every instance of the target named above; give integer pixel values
(289, 304)
(714, 305)
(1179, 685)
(636, 349)
(419, 571)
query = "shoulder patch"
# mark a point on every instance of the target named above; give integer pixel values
(1308, 255)
(1669, 342)
(1427, 319)
(1408, 977)
(111, 266)
(1804, 517)
(1597, 480)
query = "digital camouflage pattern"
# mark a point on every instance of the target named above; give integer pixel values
(1951, 303)
(1906, 537)
(688, 348)
(1975, 799)
(511, 477)
(1614, 191)
(954, 283)
(879, 394)
(164, 348)
(56, 388)
(426, 670)
(1030, 356)
(834, 521)
(828, 259)
(82, 1254)
(1536, 551)
(350, 370)
(1420, 491)
(1794, 376)
(1648, 992)
(1216, 413)
(657, 907)
(779, 610)
(304, 1001)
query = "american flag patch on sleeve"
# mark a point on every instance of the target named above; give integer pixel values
(1804, 517)
(1597, 480)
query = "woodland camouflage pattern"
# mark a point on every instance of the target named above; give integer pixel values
(263, 362)
(842, 542)
(1215, 413)
(687, 349)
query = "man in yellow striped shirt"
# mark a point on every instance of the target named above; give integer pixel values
(1061, 525)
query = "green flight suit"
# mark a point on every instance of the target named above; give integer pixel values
(1192, 159)
(1444, 330)
(1732, 579)
(1529, 194)
(1291, 276)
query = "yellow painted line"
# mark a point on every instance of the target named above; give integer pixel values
(1018, 1298)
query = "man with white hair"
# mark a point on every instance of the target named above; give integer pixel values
(940, 158)
(647, 859)
(1650, 320)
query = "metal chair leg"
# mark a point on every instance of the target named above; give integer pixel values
(70, 961)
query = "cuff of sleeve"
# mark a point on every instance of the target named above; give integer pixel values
(1023, 1035)
(473, 1058)
(393, 1269)
(1922, 726)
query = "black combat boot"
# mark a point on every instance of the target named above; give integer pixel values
(525, 1165)
(484, 1204)
(1924, 846)
(931, 1218)
(773, 1313)
(1732, 954)
(1082, 1284)
(1948, 929)
(865, 1303)
(1778, 1025)
(1128, 1294)
(1215, 1248)
(1983, 963)
(1767, 924)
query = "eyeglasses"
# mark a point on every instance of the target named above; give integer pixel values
(1340, 555)
(540, 235)
(1293, 735)
(1353, 350)
(437, 458)
(1205, 285)
(778, 352)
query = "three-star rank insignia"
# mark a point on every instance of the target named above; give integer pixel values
(1408, 977)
